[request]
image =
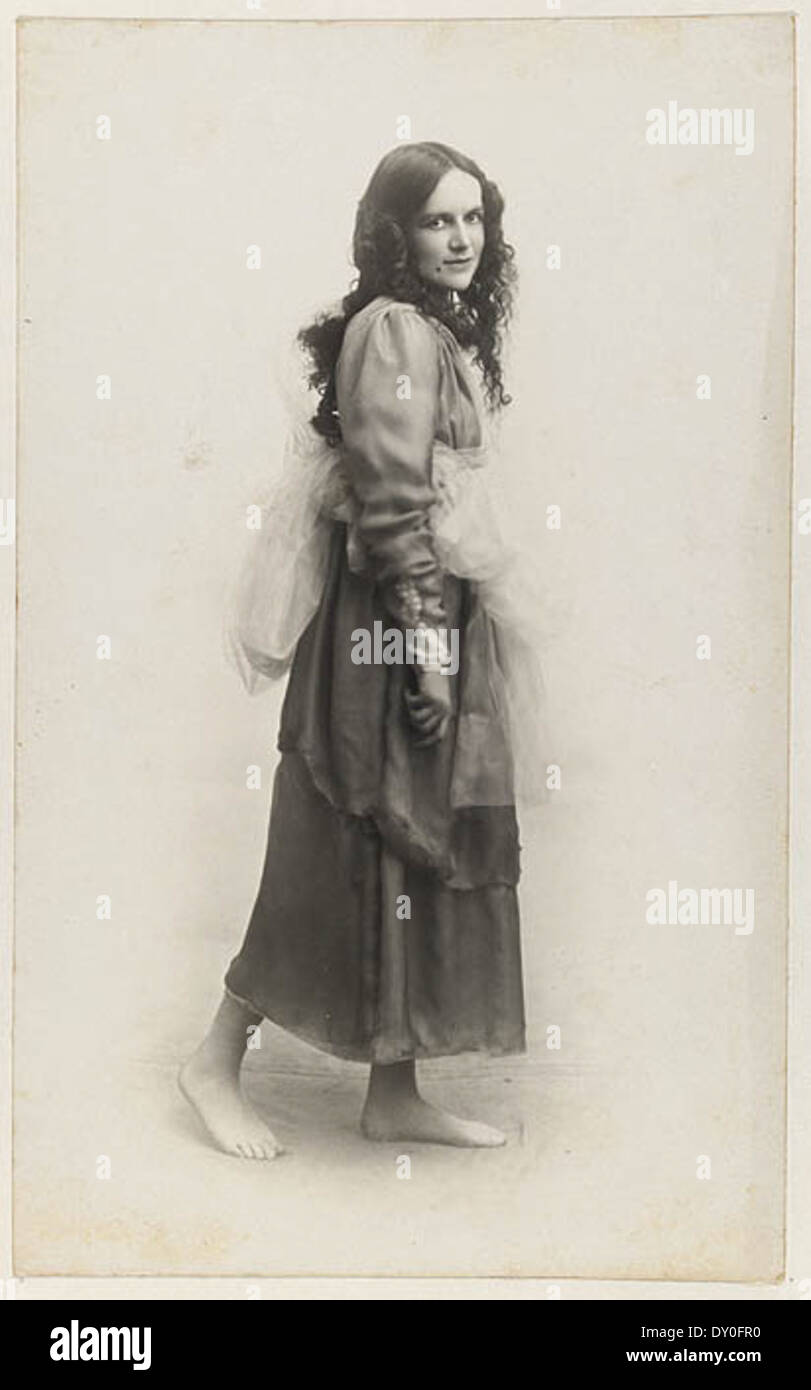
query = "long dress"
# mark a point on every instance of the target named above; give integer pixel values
(386, 924)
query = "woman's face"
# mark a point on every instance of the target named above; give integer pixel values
(447, 235)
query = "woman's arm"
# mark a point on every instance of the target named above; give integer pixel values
(387, 386)
(388, 393)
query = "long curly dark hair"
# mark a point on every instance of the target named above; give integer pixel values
(399, 187)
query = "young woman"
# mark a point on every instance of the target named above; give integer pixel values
(386, 924)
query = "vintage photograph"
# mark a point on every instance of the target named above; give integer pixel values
(386, 926)
(404, 535)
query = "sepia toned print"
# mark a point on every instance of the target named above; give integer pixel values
(496, 965)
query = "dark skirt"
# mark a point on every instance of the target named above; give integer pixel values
(361, 941)
(368, 957)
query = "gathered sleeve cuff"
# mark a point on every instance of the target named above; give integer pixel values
(387, 386)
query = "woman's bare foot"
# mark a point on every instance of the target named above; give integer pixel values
(395, 1110)
(232, 1123)
(414, 1119)
(210, 1082)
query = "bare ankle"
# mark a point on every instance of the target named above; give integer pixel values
(392, 1081)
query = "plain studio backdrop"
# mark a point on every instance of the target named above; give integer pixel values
(650, 1142)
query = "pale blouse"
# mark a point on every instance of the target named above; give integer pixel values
(402, 388)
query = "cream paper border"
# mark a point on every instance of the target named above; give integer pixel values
(797, 1282)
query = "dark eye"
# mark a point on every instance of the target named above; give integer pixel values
(474, 216)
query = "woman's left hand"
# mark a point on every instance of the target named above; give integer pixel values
(429, 708)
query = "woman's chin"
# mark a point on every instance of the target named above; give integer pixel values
(452, 283)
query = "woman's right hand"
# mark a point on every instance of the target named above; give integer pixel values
(429, 707)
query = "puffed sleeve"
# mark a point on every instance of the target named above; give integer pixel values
(387, 387)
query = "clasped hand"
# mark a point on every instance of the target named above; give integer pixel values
(429, 707)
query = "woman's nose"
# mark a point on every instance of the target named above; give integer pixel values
(459, 237)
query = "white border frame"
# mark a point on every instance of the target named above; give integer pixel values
(797, 1281)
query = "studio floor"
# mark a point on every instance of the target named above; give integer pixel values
(554, 1201)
